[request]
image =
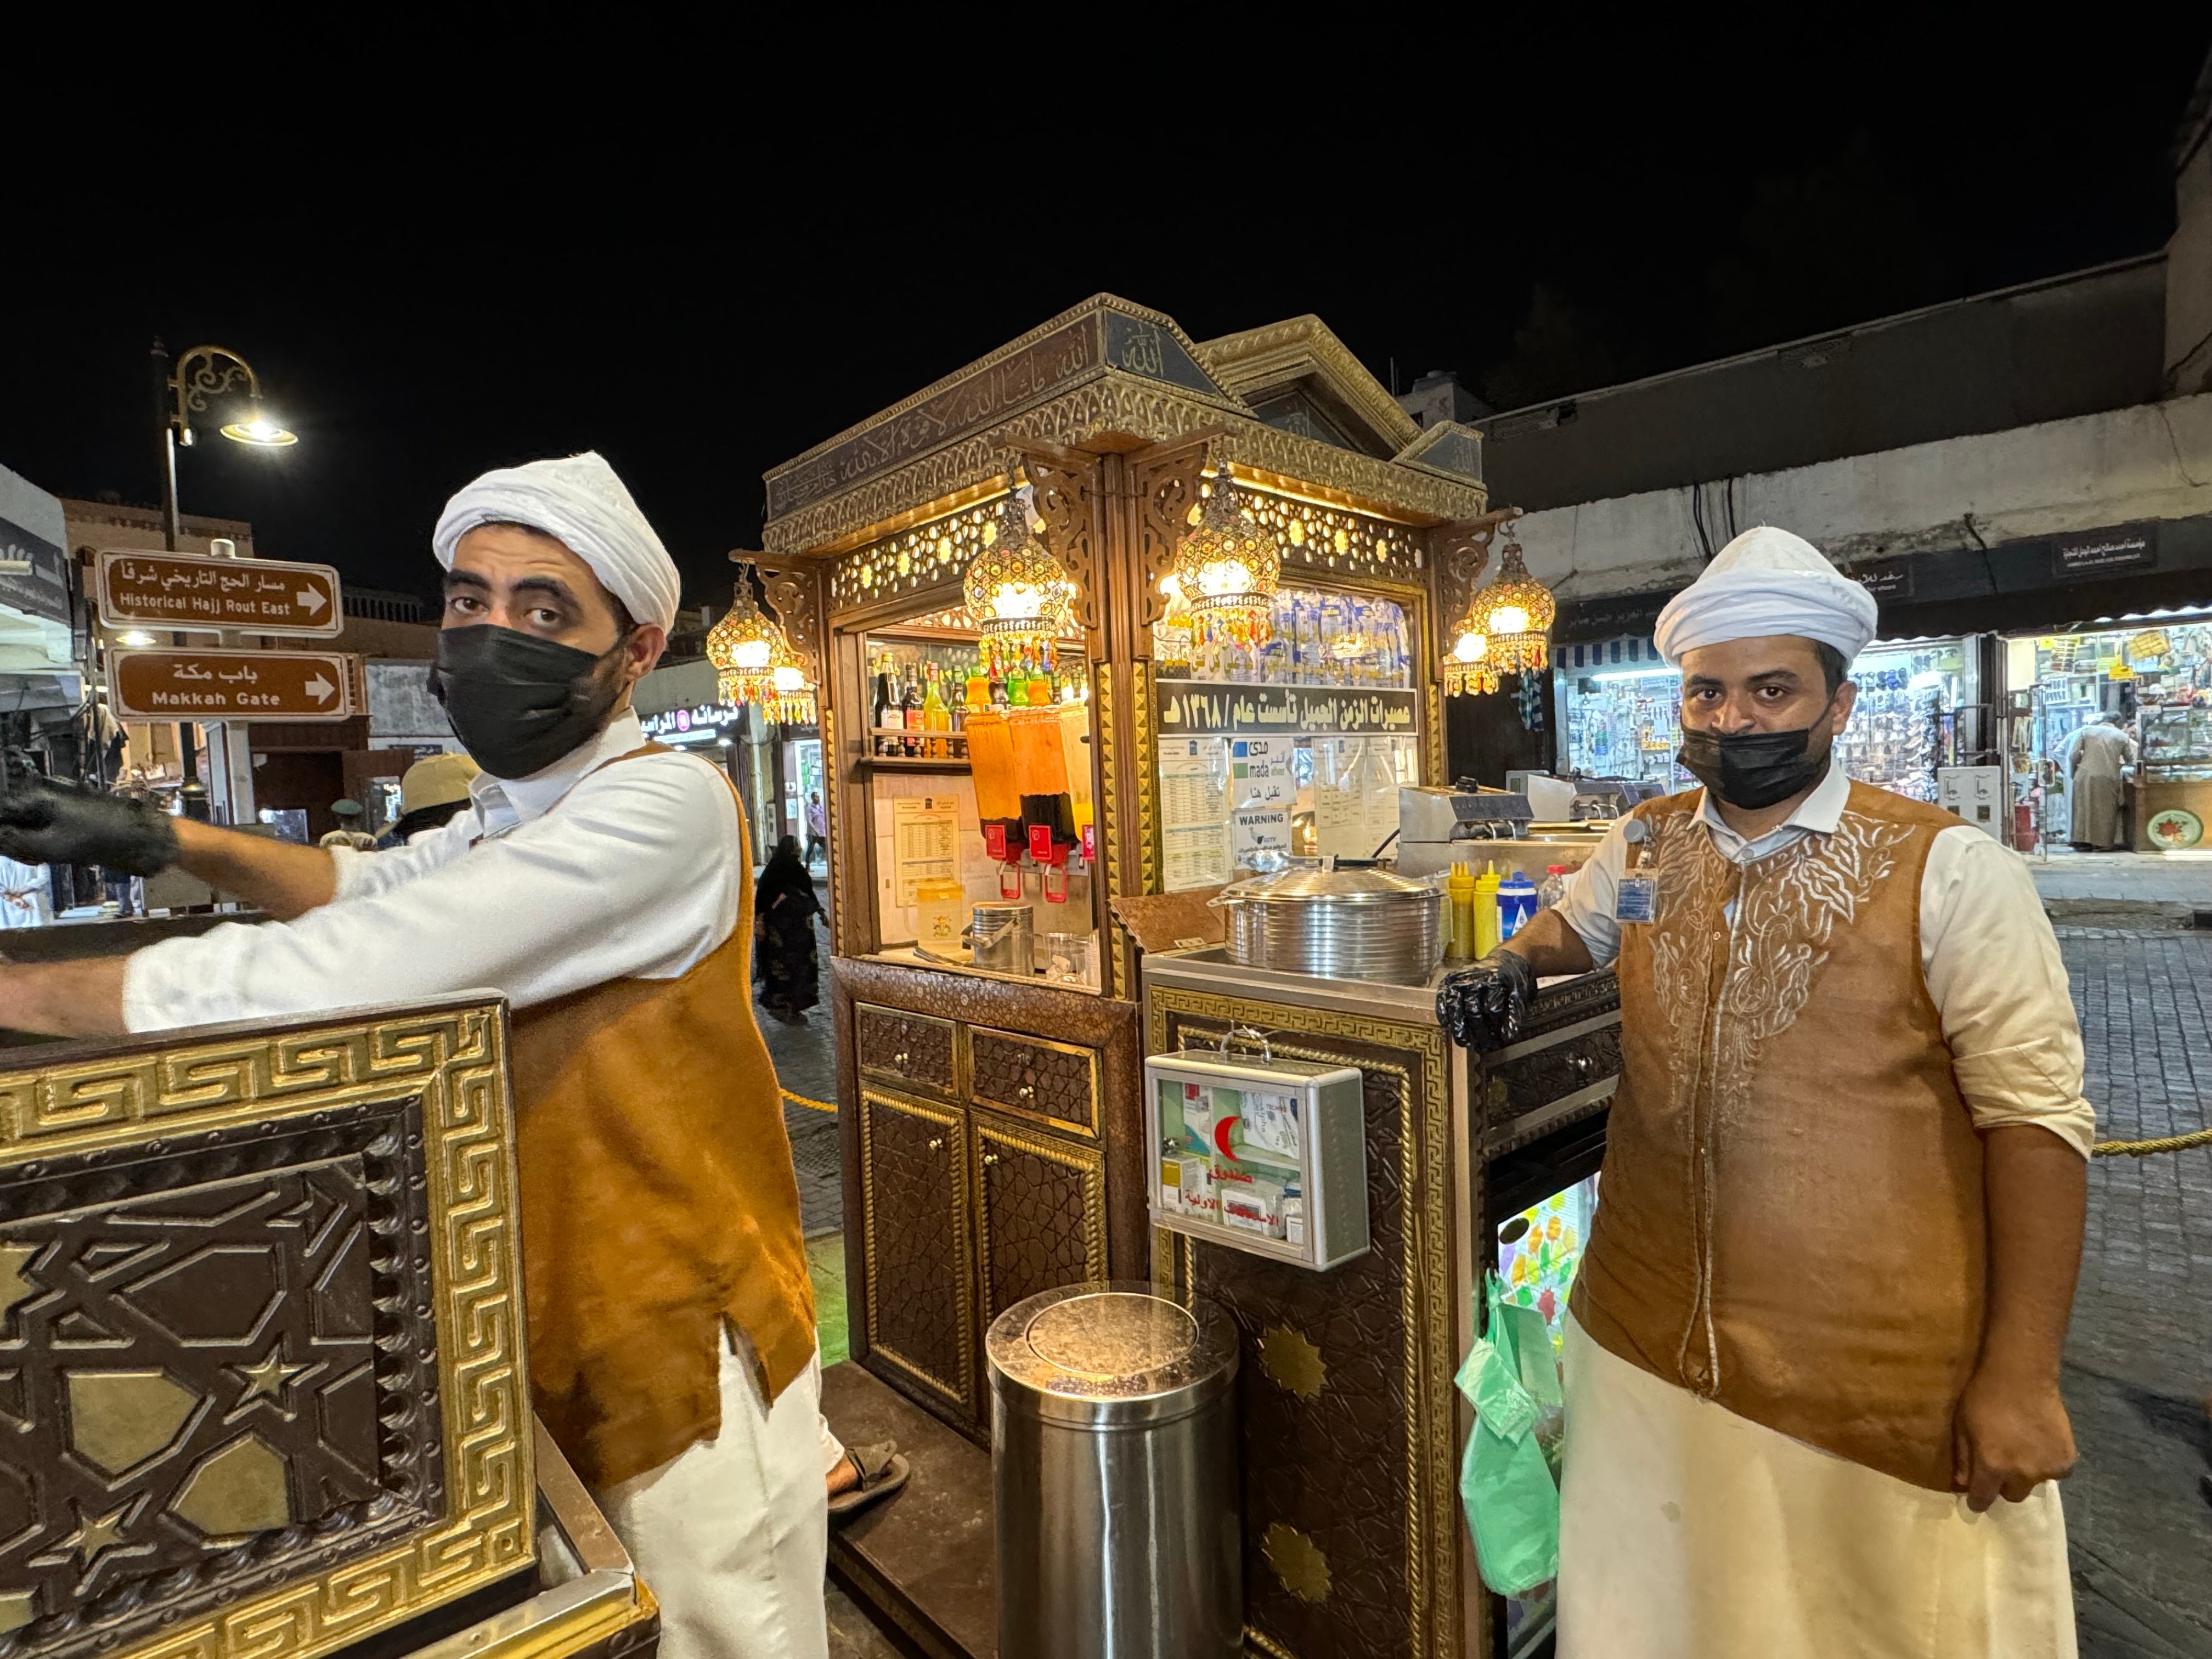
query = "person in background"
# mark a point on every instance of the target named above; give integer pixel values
(1811, 1354)
(26, 894)
(603, 884)
(787, 966)
(433, 791)
(349, 834)
(2098, 790)
(818, 830)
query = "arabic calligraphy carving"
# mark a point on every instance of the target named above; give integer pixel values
(1120, 403)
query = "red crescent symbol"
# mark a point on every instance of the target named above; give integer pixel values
(1221, 1138)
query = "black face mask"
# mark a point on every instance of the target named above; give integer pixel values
(1752, 769)
(519, 703)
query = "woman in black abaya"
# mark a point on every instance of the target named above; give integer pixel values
(787, 967)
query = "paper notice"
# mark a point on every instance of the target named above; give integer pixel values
(1194, 783)
(925, 842)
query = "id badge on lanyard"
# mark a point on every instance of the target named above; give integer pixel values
(1636, 895)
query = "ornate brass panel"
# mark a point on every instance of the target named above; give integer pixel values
(1411, 1189)
(1040, 1220)
(1054, 1083)
(261, 1289)
(912, 1051)
(1147, 773)
(914, 1206)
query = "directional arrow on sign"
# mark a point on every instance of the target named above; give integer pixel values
(233, 685)
(184, 593)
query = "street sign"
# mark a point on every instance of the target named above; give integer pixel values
(190, 595)
(235, 685)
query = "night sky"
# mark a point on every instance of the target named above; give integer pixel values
(700, 297)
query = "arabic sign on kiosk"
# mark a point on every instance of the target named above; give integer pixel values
(183, 592)
(233, 686)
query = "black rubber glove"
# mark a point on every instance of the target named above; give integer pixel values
(1483, 1006)
(44, 822)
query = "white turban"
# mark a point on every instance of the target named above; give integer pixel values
(1767, 581)
(582, 504)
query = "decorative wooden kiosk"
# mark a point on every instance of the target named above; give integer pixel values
(993, 1128)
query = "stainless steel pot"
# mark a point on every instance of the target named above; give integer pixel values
(1337, 923)
(1005, 938)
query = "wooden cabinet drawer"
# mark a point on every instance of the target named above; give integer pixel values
(910, 1050)
(916, 1204)
(1524, 1078)
(1052, 1082)
(1040, 1213)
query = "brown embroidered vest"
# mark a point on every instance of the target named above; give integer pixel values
(1790, 1220)
(658, 1200)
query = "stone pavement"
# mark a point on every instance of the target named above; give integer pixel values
(2139, 1357)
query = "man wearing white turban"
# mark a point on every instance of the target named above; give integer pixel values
(1813, 1353)
(603, 884)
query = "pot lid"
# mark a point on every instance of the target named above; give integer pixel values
(1352, 883)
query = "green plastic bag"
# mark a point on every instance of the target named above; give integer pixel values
(1504, 1479)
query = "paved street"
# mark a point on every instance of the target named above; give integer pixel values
(2139, 1361)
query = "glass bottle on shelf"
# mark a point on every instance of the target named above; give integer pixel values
(911, 705)
(886, 703)
(936, 718)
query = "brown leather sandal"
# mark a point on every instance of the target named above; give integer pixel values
(882, 1470)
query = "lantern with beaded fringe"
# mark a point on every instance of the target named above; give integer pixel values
(754, 662)
(1018, 595)
(1228, 566)
(1513, 615)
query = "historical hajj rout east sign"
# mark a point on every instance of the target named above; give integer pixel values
(233, 685)
(186, 592)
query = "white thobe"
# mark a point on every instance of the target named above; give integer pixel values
(1688, 1530)
(579, 874)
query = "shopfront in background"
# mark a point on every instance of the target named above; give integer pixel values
(1620, 712)
(2156, 673)
(775, 765)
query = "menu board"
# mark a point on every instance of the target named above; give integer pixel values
(925, 842)
(1195, 780)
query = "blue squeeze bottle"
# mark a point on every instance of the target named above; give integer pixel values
(1516, 903)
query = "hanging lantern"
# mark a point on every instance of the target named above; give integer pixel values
(1018, 595)
(1467, 669)
(753, 660)
(1228, 566)
(1514, 617)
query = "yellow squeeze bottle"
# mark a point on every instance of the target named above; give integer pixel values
(1459, 890)
(1485, 910)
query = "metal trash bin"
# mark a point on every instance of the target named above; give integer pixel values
(1113, 1454)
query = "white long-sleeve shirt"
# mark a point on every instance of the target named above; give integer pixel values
(548, 885)
(1986, 950)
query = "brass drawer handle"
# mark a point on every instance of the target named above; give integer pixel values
(1026, 1093)
(990, 1157)
(1582, 1064)
(936, 1146)
(899, 1059)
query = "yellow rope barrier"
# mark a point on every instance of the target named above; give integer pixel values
(2103, 1149)
(2145, 1148)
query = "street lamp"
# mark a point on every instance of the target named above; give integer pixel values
(206, 371)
